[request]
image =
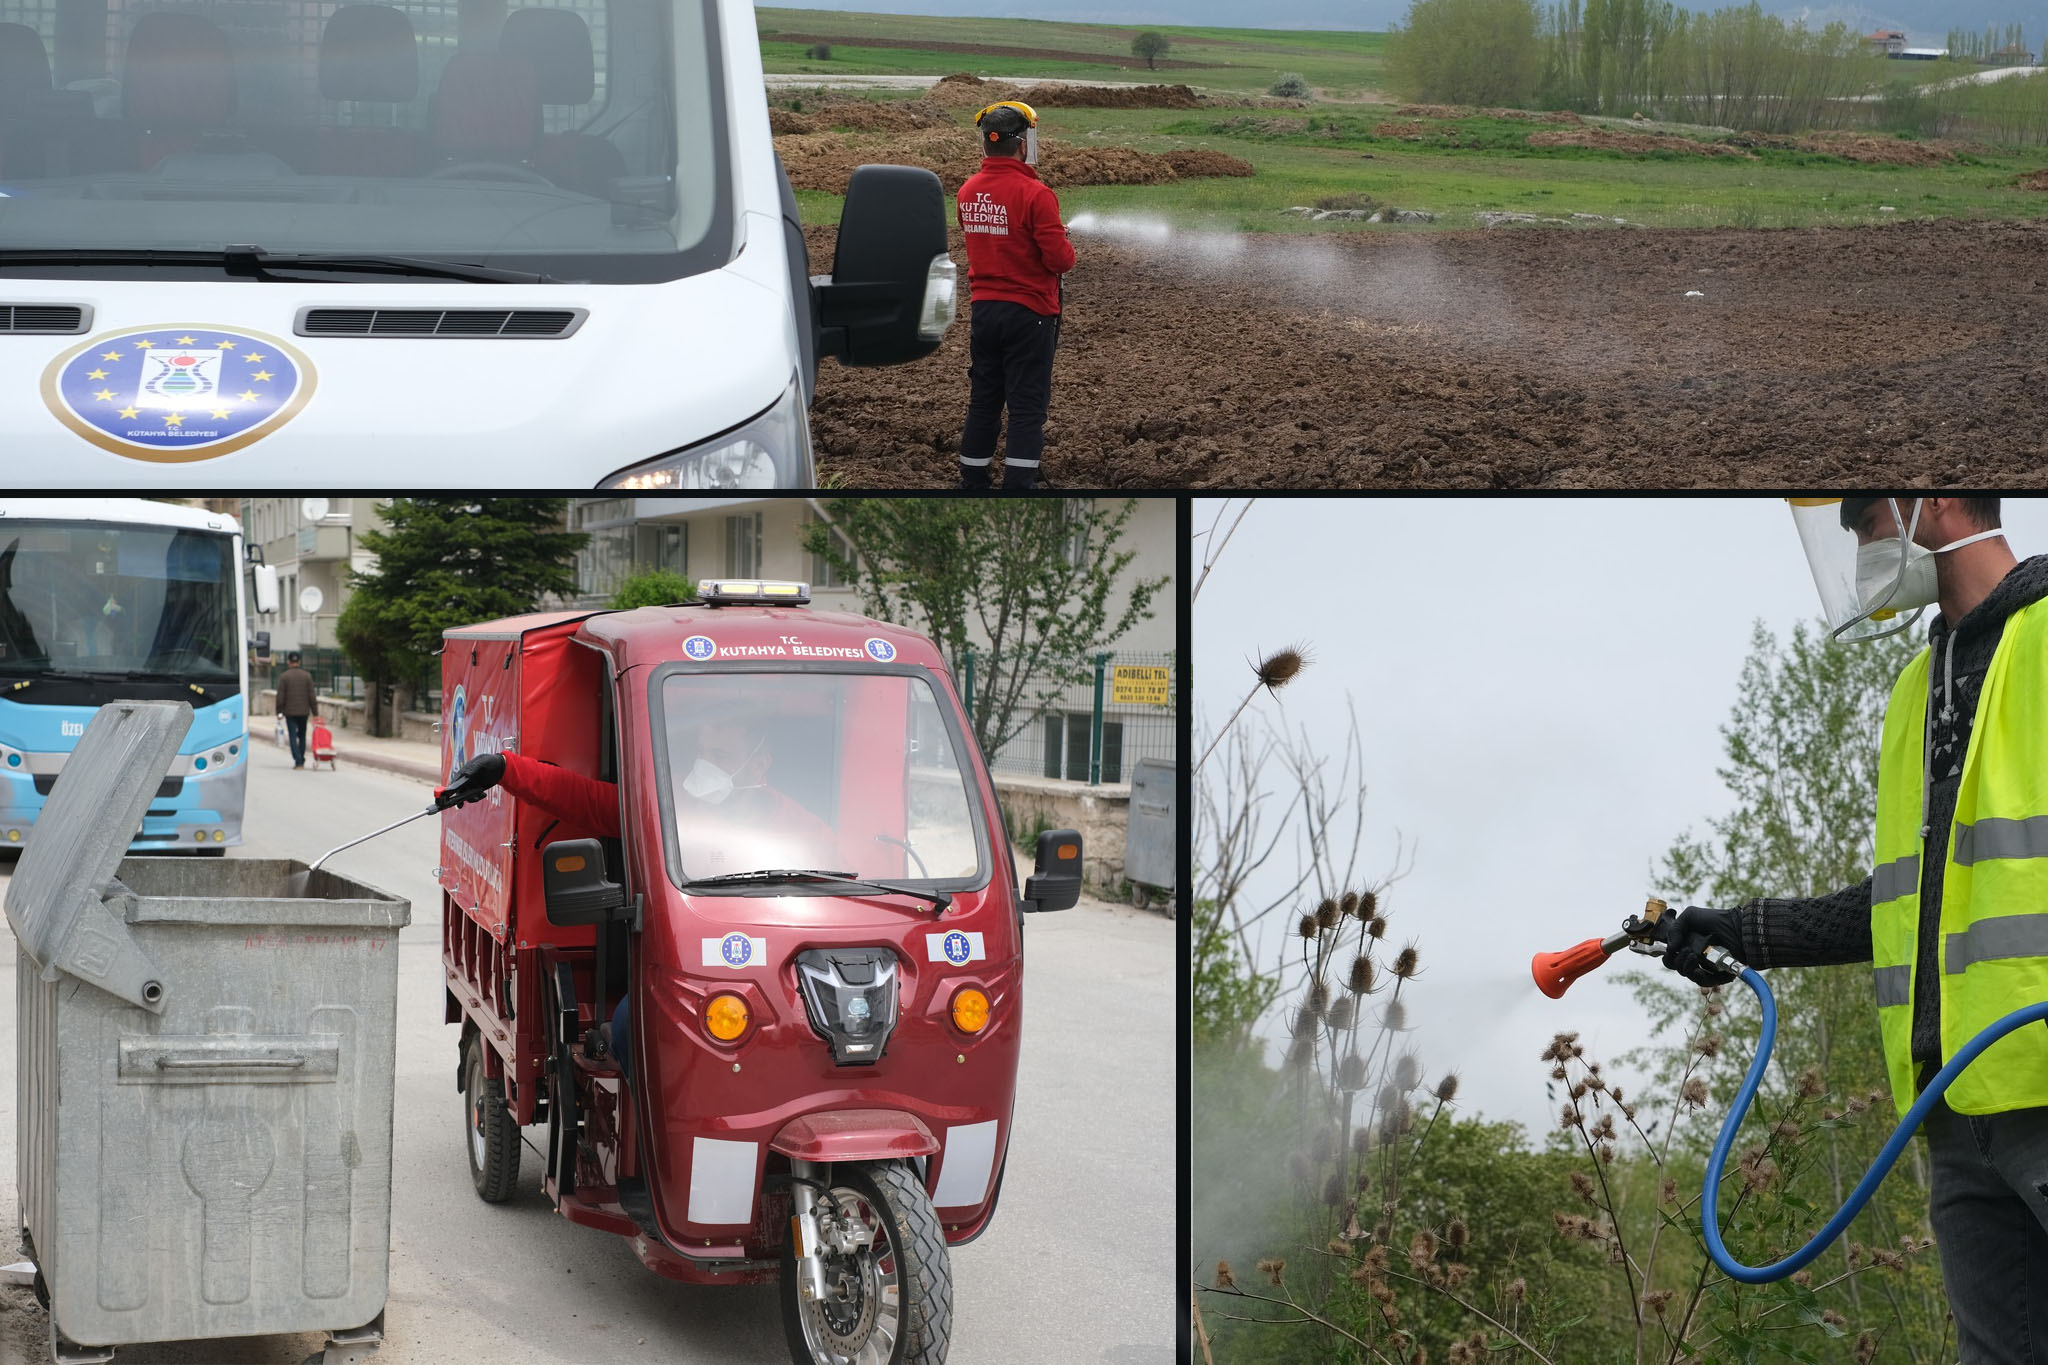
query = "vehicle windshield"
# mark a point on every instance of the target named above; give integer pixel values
(574, 139)
(80, 598)
(852, 773)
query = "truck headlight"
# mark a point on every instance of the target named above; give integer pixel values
(771, 451)
(850, 995)
(941, 299)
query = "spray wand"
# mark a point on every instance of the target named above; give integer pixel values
(1649, 933)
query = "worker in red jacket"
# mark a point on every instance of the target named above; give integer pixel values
(1017, 249)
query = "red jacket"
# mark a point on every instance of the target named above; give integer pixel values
(583, 803)
(1017, 248)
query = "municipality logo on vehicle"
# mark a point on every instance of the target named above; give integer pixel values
(171, 394)
(734, 950)
(699, 647)
(458, 725)
(955, 947)
(881, 651)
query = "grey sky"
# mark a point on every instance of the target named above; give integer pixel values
(1540, 684)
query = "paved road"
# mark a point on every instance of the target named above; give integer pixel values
(1077, 1266)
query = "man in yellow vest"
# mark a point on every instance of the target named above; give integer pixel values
(1954, 917)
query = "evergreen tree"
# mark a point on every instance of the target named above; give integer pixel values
(449, 562)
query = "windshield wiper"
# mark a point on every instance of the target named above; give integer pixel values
(253, 262)
(941, 902)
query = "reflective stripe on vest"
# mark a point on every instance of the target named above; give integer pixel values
(1992, 947)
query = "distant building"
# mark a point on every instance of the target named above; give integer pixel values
(2012, 54)
(1889, 41)
(1920, 54)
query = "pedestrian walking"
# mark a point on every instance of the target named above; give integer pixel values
(1017, 250)
(296, 701)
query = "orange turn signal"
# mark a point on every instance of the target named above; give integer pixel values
(726, 1017)
(970, 1010)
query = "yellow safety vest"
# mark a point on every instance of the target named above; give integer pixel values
(1991, 951)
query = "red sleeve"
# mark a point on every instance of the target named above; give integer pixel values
(582, 802)
(1053, 247)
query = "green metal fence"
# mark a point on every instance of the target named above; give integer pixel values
(1123, 709)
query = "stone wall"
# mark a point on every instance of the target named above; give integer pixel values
(1100, 814)
(343, 714)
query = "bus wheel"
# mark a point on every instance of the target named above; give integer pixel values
(493, 1136)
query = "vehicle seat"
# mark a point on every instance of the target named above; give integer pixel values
(368, 54)
(557, 44)
(179, 84)
(486, 109)
(24, 85)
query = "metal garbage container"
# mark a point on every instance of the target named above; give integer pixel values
(1152, 834)
(203, 1072)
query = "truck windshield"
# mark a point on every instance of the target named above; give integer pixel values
(89, 610)
(572, 139)
(854, 773)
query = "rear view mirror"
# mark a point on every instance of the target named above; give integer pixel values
(1055, 881)
(264, 578)
(572, 877)
(891, 294)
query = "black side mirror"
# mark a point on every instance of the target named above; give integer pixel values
(572, 878)
(1055, 881)
(893, 291)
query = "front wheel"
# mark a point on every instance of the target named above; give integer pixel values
(888, 1280)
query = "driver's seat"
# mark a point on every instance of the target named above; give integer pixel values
(487, 109)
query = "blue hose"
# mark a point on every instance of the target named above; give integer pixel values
(1710, 1221)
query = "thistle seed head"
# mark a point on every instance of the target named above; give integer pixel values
(1351, 1074)
(1457, 1235)
(1395, 1018)
(1404, 965)
(1377, 926)
(1280, 667)
(1326, 914)
(1408, 1071)
(1447, 1088)
(1307, 927)
(1341, 1013)
(1224, 1278)
(1362, 971)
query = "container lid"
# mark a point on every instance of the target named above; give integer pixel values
(56, 898)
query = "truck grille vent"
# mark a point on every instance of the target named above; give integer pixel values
(58, 319)
(529, 323)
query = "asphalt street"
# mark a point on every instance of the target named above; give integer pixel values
(1077, 1265)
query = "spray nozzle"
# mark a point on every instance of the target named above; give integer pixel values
(1555, 972)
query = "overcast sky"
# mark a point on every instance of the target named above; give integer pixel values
(1540, 684)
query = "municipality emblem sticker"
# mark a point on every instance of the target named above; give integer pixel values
(881, 651)
(171, 394)
(699, 647)
(735, 950)
(955, 946)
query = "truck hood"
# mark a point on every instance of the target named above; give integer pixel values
(646, 368)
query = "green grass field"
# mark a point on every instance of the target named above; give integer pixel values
(1463, 167)
(1340, 65)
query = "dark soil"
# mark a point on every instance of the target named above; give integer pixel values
(1907, 354)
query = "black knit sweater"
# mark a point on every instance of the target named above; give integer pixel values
(1835, 928)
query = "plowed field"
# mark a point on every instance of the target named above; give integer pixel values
(1512, 358)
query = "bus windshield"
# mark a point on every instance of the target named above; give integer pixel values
(566, 140)
(851, 773)
(108, 604)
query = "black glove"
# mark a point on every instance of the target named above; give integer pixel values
(1691, 932)
(471, 782)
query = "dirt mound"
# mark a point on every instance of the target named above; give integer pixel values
(782, 121)
(826, 161)
(965, 90)
(1192, 162)
(1113, 97)
(1454, 111)
(1882, 151)
(2033, 180)
(1414, 130)
(1640, 144)
(1902, 355)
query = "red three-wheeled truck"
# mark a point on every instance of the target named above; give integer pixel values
(773, 1025)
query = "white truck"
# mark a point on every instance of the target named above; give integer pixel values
(274, 243)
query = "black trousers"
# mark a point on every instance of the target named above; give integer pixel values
(295, 731)
(1010, 351)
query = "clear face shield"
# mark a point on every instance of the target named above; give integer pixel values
(1031, 146)
(1867, 570)
(1873, 580)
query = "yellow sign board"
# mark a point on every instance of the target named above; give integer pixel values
(1141, 685)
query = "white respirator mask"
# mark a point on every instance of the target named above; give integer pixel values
(1870, 591)
(712, 784)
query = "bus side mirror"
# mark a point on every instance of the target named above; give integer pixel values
(573, 882)
(1055, 881)
(893, 290)
(264, 577)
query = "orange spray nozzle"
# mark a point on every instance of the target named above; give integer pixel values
(1556, 971)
